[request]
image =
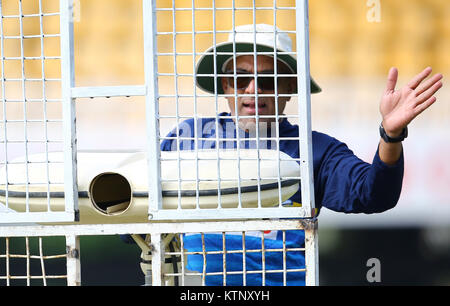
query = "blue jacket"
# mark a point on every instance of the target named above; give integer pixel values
(342, 183)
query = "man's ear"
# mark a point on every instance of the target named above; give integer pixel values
(293, 85)
(224, 84)
(291, 88)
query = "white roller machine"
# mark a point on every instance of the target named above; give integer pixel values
(113, 185)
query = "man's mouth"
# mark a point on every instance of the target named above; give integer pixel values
(250, 107)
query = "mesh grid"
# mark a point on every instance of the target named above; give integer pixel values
(23, 261)
(193, 119)
(31, 113)
(29, 49)
(185, 254)
(240, 258)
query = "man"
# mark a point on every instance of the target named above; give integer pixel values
(342, 181)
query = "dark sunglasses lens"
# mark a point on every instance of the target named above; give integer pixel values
(266, 83)
(241, 82)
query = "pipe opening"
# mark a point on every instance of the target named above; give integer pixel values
(110, 193)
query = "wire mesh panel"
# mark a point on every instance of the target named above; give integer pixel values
(234, 254)
(26, 261)
(216, 149)
(32, 114)
(229, 150)
(182, 254)
(242, 260)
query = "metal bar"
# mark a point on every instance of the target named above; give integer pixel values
(41, 258)
(177, 111)
(306, 164)
(231, 213)
(7, 262)
(216, 105)
(225, 9)
(183, 263)
(33, 79)
(304, 107)
(22, 54)
(32, 100)
(154, 227)
(27, 250)
(30, 15)
(255, 71)
(13, 277)
(235, 95)
(195, 107)
(224, 259)
(284, 259)
(218, 53)
(263, 257)
(44, 94)
(244, 261)
(277, 115)
(108, 91)
(5, 134)
(158, 259)
(73, 260)
(152, 105)
(312, 254)
(68, 108)
(41, 217)
(19, 58)
(204, 259)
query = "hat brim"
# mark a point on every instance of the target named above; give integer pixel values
(205, 65)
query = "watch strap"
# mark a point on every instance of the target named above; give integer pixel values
(389, 139)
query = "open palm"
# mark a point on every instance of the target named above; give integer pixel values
(399, 107)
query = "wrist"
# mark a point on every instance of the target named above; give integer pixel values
(391, 132)
(393, 136)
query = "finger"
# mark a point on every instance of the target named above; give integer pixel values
(421, 107)
(419, 78)
(428, 83)
(429, 92)
(392, 79)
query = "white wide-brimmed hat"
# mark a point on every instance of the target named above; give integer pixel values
(243, 40)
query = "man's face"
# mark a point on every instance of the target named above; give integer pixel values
(246, 95)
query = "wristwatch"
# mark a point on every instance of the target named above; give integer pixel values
(386, 138)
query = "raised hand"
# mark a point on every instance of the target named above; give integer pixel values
(399, 107)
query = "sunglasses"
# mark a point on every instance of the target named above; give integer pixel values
(265, 83)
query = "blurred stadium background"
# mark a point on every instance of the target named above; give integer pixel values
(350, 56)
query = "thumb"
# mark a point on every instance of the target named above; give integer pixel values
(392, 79)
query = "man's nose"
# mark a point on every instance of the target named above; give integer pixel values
(250, 89)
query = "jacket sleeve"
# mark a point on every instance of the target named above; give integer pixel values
(348, 184)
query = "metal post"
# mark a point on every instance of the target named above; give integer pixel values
(151, 102)
(68, 107)
(305, 142)
(157, 259)
(73, 260)
(304, 107)
(312, 253)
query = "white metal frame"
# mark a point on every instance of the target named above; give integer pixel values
(304, 107)
(68, 106)
(156, 229)
(156, 214)
(70, 93)
(155, 207)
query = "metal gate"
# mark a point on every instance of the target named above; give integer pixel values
(55, 178)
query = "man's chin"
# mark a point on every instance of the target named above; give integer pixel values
(249, 124)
